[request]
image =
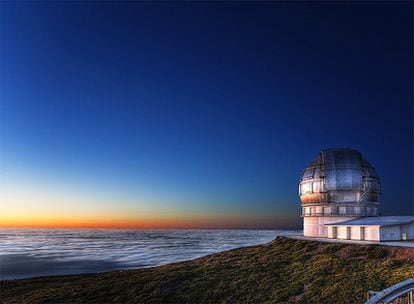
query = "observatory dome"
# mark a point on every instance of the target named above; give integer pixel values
(339, 185)
(339, 176)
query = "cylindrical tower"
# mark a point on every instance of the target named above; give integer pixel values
(339, 185)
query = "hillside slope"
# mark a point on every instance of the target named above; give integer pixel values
(285, 270)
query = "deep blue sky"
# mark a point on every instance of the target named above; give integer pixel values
(204, 107)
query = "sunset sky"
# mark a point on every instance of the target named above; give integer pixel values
(201, 115)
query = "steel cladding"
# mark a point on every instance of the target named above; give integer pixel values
(339, 176)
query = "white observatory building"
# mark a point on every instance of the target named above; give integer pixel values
(340, 194)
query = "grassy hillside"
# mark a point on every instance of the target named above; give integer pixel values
(283, 271)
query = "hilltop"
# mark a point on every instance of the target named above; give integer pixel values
(283, 271)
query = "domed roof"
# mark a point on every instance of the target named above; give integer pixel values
(339, 176)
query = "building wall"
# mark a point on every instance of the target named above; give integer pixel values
(367, 233)
(408, 229)
(356, 232)
(314, 226)
(395, 233)
(342, 233)
(371, 233)
(390, 233)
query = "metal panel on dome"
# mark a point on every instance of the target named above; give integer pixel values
(308, 173)
(341, 159)
(372, 172)
(343, 179)
(342, 169)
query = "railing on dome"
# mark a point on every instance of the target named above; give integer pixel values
(338, 214)
(393, 294)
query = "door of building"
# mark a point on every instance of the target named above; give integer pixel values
(334, 232)
(362, 233)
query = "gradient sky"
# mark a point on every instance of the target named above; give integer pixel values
(163, 114)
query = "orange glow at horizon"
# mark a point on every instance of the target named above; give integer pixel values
(40, 208)
(154, 222)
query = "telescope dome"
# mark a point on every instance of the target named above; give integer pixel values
(339, 176)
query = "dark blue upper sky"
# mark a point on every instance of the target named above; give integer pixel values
(206, 106)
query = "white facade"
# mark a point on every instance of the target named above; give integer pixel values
(383, 228)
(315, 226)
(358, 233)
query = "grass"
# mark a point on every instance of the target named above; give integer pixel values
(283, 271)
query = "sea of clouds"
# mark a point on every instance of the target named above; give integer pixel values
(41, 252)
